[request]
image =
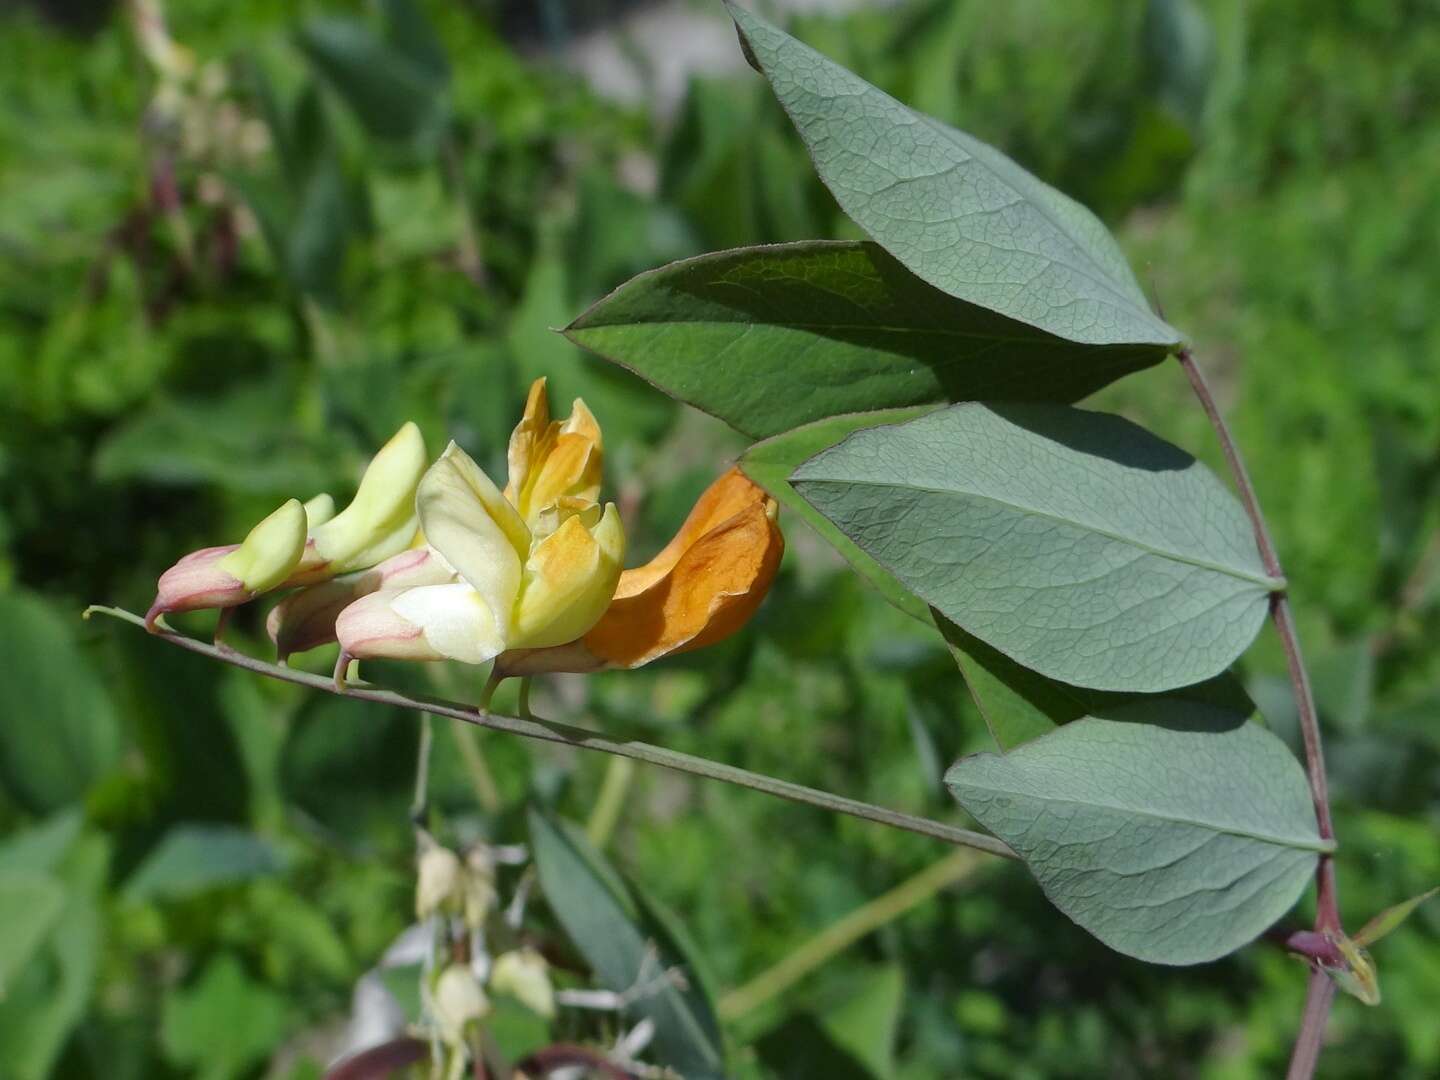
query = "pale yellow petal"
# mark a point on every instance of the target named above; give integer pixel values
(455, 619)
(319, 510)
(272, 550)
(478, 532)
(380, 520)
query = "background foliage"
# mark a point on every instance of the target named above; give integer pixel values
(363, 225)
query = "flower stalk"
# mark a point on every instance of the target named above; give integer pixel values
(583, 739)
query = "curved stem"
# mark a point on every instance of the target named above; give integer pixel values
(1327, 910)
(568, 735)
(1285, 627)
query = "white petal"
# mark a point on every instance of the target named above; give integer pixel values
(455, 620)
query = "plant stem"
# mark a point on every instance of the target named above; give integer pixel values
(1319, 996)
(422, 773)
(840, 935)
(1327, 910)
(567, 735)
(610, 801)
(1328, 918)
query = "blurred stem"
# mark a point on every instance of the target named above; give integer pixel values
(840, 935)
(487, 793)
(580, 738)
(1327, 908)
(610, 801)
(422, 772)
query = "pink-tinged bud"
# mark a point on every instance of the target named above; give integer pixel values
(371, 629)
(306, 619)
(196, 582)
(226, 576)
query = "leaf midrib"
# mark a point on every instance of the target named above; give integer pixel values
(1317, 845)
(1268, 583)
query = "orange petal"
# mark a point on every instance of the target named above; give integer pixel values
(703, 587)
(731, 494)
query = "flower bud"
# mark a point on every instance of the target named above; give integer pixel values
(380, 520)
(230, 575)
(306, 618)
(271, 551)
(319, 510)
(525, 976)
(458, 1000)
(438, 879)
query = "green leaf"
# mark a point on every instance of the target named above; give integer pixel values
(1076, 543)
(40, 848)
(60, 732)
(224, 1023)
(954, 210)
(601, 917)
(1389, 919)
(767, 338)
(801, 1046)
(195, 858)
(866, 1022)
(1018, 704)
(394, 94)
(771, 462)
(30, 905)
(1173, 831)
(48, 996)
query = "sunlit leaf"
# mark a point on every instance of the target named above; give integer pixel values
(1076, 543)
(954, 210)
(1018, 704)
(767, 338)
(771, 462)
(1174, 832)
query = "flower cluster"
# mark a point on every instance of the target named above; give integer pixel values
(439, 563)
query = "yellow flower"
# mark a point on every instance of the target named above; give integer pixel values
(302, 545)
(536, 565)
(703, 587)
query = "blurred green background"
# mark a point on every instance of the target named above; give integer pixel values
(226, 287)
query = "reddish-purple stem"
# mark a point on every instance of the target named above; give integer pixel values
(1327, 910)
(379, 1062)
(1318, 998)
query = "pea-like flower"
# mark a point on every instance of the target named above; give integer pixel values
(535, 565)
(703, 587)
(303, 545)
